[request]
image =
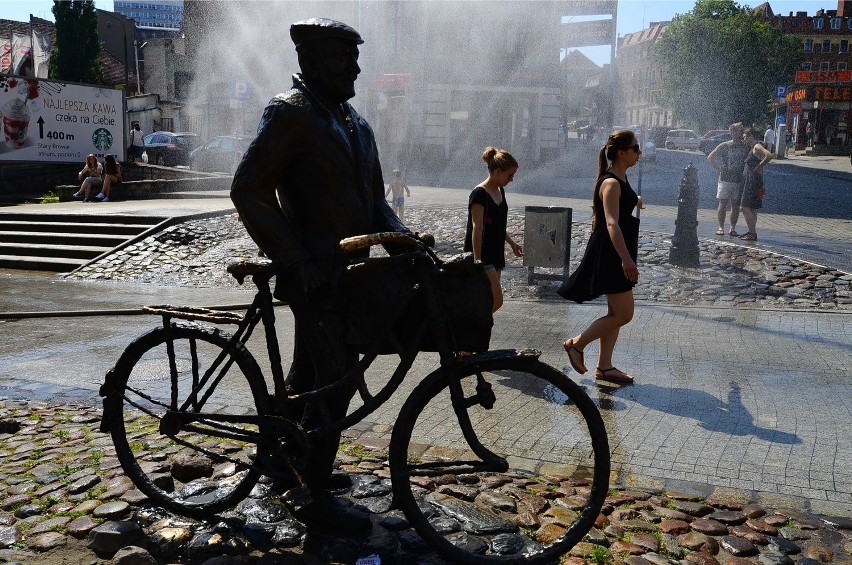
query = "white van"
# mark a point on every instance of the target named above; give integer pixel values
(682, 139)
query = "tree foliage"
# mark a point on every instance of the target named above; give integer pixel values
(76, 52)
(720, 63)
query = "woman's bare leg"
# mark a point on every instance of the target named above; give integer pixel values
(496, 290)
(606, 328)
(750, 215)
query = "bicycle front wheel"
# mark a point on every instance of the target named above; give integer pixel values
(521, 473)
(183, 406)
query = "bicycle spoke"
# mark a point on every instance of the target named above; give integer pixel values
(170, 447)
(518, 476)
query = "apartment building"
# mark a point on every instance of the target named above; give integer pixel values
(822, 92)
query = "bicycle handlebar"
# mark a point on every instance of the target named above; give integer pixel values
(242, 268)
(368, 240)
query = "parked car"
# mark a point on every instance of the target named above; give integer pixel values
(682, 139)
(220, 154)
(713, 132)
(658, 134)
(169, 149)
(709, 144)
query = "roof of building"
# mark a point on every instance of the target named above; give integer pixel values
(764, 10)
(578, 61)
(650, 33)
(113, 67)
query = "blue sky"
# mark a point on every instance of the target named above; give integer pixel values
(633, 15)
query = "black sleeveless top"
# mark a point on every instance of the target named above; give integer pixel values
(494, 229)
(600, 271)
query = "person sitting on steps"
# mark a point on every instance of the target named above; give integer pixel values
(112, 176)
(94, 170)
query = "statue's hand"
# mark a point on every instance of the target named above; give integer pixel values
(310, 276)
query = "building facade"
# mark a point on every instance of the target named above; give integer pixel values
(820, 99)
(639, 80)
(439, 80)
(154, 18)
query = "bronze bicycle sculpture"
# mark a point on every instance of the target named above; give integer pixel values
(188, 387)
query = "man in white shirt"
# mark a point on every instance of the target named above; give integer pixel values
(769, 139)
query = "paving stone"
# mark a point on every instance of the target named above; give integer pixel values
(709, 527)
(737, 546)
(46, 541)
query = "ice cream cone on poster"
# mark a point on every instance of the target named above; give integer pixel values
(16, 122)
(16, 114)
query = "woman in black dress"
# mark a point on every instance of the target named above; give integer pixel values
(753, 191)
(609, 263)
(487, 213)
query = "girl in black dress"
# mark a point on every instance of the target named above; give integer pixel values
(609, 263)
(753, 191)
(487, 212)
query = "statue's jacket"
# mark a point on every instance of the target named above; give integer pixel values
(326, 176)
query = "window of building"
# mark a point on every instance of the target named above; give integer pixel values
(806, 66)
(826, 46)
(849, 23)
(823, 66)
(809, 45)
(844, 45)
(835, 23)
(841, 66)
(817, 23)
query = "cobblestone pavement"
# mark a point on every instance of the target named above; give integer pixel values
(737, 423)
(195, 253)
(66, 500)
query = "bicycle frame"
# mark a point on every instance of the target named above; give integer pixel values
(425, 265)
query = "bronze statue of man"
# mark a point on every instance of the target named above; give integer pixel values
(310, 178)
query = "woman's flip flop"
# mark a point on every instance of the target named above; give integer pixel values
(569, 346)
(613, 375)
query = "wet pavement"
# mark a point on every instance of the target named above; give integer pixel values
(740, 397)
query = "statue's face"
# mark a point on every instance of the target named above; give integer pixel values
(334, 69)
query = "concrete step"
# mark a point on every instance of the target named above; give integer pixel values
(73, 226)
(96, 239)
(51, 250)
(62, 242)
(54, 264)
(82, 218)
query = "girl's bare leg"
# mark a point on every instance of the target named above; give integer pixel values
(496, 290)
(606, 328)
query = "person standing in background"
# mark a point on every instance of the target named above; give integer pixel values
(137, 143)
(487, 214)
(395, 190)
(769, 139)
(729, 158)
(753, 189)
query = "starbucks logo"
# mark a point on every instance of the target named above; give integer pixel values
(102, 139)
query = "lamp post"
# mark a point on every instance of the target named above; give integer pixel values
(138, 80)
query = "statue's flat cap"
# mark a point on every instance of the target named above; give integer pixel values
(322, 28)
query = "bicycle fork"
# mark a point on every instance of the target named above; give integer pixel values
(484, 397)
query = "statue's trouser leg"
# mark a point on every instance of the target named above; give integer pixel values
(321, 357)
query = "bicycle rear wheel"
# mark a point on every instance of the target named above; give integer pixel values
(187, 427)
(523, 484)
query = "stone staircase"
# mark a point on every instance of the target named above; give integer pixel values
(62, 243)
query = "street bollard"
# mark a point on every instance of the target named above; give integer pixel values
(684, 250)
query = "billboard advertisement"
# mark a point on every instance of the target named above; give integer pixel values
(50, 121)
